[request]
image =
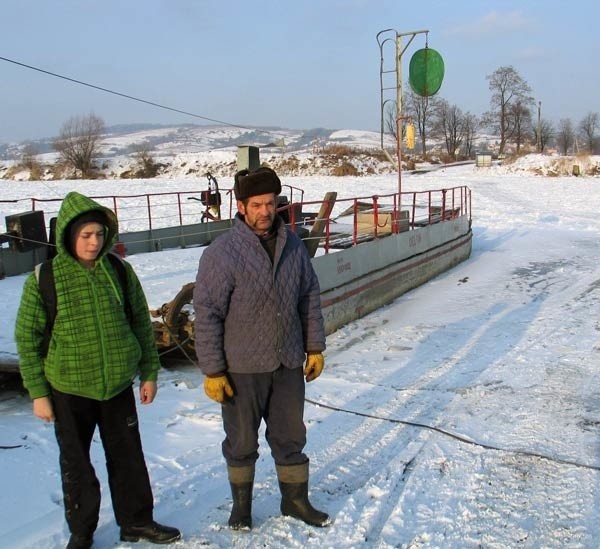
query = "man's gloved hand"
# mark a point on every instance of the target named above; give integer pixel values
(218, 388)
(314, 365)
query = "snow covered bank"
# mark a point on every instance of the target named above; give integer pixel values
(500, 355)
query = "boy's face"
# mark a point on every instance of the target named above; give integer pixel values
(89, 240)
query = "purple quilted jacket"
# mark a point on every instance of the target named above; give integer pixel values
(251, 315)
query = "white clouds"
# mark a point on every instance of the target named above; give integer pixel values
(531, 53)
(491, 24)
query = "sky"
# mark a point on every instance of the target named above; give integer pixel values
(296, 65)
(500, 351)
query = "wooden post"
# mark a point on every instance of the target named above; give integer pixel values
(320, 223)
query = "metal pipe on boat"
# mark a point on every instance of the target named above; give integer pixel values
(375, 216)
(179, 209)
(149, 213)
(355, 222)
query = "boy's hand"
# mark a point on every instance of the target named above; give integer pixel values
(42, 408)
(148, 391)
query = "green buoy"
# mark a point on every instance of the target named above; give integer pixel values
(426, 72)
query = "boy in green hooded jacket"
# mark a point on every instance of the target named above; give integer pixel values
(85, 377)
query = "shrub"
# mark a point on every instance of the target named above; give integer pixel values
(344, 169)
(339, 150)
(409, 164)
(35, 172)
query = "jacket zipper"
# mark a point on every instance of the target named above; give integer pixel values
(102, 338)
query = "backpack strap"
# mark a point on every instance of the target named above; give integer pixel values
(119, 267)
(45, 278)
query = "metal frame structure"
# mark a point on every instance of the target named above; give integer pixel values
(399, 52)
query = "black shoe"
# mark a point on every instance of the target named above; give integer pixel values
(152, 532)
(80, 542)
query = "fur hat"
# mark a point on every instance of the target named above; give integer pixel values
(261, 180)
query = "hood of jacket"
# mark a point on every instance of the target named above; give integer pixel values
(74, 205)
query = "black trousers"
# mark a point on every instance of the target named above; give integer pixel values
(278, 398)
(76, 421)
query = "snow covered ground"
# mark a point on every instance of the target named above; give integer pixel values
(188, 151)
(465, 414)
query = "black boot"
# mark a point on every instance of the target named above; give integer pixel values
(241, 480)
(293, 483)
(241, 511)
(80, 542)
(152, 532)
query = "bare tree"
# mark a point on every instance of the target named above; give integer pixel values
(588, 129)
(78, 140)
(546, 133)
(449, 125)
(29, 160)
(391, 126)
(508, 88)
(422, 110)
(29, 156)
(565, 137)
(471, 124)
(521, 117)
(147, 166)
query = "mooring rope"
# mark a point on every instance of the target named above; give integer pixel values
(456, 436)
(444, 432)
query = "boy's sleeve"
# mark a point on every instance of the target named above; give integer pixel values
(29, 335)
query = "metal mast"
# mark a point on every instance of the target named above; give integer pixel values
(399, 52)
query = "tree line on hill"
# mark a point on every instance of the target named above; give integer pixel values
(512, 116)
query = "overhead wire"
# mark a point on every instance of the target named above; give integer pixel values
(131, 97)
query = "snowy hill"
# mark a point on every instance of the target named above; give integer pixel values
(189, 151)
(192, 150)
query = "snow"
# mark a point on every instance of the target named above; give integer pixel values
(188, 151)
(465, 414)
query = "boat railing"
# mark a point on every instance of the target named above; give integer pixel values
(351, 221)
(354, 220)
(148, 211)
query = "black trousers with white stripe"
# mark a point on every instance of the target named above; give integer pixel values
(116, 419)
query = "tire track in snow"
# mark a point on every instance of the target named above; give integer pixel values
(373, 518)
(363, 455)
(362, 475)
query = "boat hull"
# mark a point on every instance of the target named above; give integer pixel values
(359, 280)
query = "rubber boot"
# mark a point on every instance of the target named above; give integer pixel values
(293, 483)
(241, 480)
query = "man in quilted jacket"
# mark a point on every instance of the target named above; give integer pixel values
(82, 377)
(259, 334)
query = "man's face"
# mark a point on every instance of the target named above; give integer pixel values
(259, 211)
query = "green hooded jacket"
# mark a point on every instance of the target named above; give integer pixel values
(94, 350)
